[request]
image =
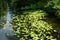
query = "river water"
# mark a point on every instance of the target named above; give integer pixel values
(7, 29)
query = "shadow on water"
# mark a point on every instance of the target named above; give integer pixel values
(7, 29)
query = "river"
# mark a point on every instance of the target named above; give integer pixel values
(7, 29)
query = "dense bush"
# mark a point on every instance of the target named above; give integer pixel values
(32, 26)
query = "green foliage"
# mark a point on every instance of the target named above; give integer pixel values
(1, 25)
(32, 26)
(2, 22)
(3, 7)
(19, 5)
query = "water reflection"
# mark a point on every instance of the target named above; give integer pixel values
(7, 29)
